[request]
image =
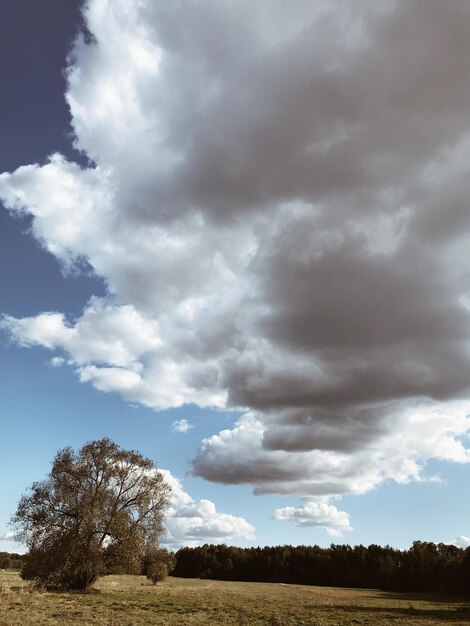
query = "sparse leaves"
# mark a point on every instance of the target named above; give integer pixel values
(99, 509)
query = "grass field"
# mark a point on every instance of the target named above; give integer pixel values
(133, 601)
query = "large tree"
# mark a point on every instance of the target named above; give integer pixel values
(100, 509)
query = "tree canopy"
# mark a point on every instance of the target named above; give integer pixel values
(101, 509)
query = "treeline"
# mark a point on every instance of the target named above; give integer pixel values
(11, 560)
(425, 566)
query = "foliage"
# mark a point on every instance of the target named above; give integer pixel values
(157, 564)
(424, 567)
(11, 560)
(99, 510)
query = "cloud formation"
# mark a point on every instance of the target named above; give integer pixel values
(462, 541)
(277, 202)
(414, 435)
(181, 426)
(316, 514)
(195, 522)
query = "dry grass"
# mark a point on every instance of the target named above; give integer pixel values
(133, 601)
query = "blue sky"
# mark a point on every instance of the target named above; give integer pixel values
(255, 221)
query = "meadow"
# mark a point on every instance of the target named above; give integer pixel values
(134, 601)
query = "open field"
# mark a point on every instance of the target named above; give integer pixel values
(133, 601)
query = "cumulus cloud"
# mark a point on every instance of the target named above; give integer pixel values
(462, 541)
(277, 201)
(414, 435)
(194, 522)
(57, 361)
(181, 426)
(316, 513)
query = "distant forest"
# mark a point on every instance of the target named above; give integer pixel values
(10, 560)
(427, 567)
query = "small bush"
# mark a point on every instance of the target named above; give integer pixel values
(158, 563)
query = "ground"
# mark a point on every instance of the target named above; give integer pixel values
(134, 601)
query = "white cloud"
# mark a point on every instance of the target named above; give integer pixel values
(57, 361)
(462, 541)
(65, 200)
(316, 513)
(181, 426)
(114, 335)
(194, 522)
(179, 496)
(199, 522)
(276, 202)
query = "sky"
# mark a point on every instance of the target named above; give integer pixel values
(234, 237)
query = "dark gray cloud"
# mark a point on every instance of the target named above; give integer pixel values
(345, 100)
